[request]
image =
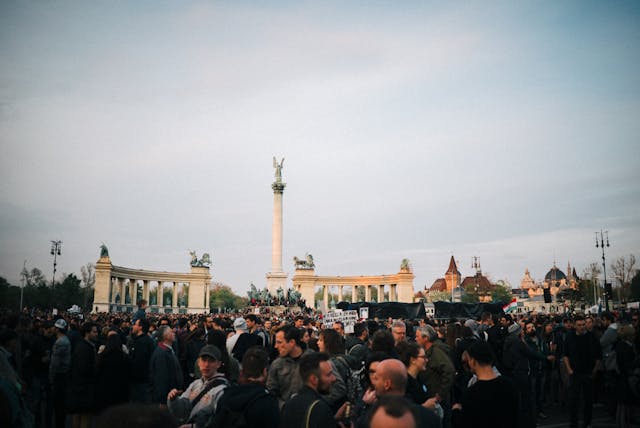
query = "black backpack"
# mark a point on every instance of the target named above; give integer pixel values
(227, 417)
(353, 379)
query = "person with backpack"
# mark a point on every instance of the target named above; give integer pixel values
(607, 344)
(628, 376)
(331, 342)
(308, 408)
(249, 404)
(356, 344)
(198, 403)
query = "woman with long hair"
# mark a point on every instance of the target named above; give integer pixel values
(330, 342)
(114, 373)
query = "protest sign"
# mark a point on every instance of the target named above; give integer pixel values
(348, 318)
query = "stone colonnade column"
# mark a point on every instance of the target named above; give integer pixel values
(325, 297)
(120, 282)
(340, 293)
(354, 293)
(174, 297)
(133, 288)
(380, 293)
(367, 293)
(145, 290)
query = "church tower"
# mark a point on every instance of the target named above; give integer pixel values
(452, 277)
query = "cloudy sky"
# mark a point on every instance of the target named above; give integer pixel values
(503, 130)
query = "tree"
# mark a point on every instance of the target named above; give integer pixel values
(34, 277)
(67, 293)
(439, 296)
(470, 295)
(586, 288)
(623, 270)
(635, 286)
(502, 292)
(88, 274)
(221, 296)
(590, 282)
(9, 294)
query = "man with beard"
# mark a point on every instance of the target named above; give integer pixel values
(536, 367)
(308, 409)
(516, 356)
(581, 358)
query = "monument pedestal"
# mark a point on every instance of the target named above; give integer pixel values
(276, 280)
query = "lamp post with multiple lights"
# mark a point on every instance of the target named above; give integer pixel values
(56, 250)
(602, 239)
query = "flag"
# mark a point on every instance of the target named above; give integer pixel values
(510, 306)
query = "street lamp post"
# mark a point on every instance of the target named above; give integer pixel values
(56, 250)
(602, 239)
(24, 277)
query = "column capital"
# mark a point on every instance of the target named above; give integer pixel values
(278, 187)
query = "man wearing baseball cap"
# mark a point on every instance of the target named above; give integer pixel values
(59, 368)
(198, 403)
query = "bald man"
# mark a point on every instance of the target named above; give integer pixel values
(391, 381)
(393, 411)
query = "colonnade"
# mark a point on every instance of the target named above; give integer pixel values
(124, 291)
(393, 292)
(400, 286)
(111, 293)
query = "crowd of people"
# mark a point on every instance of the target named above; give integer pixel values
(243, 369)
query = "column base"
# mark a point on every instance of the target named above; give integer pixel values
(100, 307)
(276, 280)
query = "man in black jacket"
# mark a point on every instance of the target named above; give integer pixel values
(308, 409)
(581, 358)
(516, 356)
(250, 401)
(140, 350)
(81, 402)
(164, 367)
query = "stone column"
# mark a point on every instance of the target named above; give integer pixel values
(339, 293)
(392, 293)
(367, 293)
(145, 290)
(276, 278)
(325, 297)
(174, 300)
(120, 282)
(133, 287)
(354, 293)
(380, 293)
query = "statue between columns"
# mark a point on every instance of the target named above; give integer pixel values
(278, 167)
(205, 261)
